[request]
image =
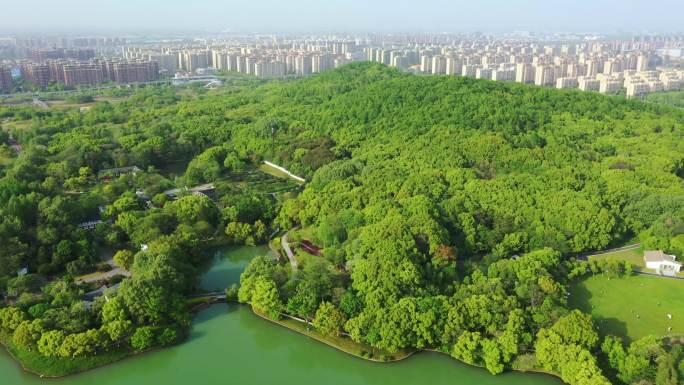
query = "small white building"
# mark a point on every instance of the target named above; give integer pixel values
(662, 263)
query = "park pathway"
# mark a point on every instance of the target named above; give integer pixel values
(286, 246)
(585, 256)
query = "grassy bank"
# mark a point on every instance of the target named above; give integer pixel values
(36, 363)
(525, 363)
(342, 343)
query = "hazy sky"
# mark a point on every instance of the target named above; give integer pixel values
(340, 15)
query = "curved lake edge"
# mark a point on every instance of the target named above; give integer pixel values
(538, 372)
(109, 358)
(132, 354)
(106, 360)
(332, 344)
(199, 314)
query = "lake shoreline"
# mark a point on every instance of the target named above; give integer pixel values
(81, 365)
(131, 354)
(402, 358)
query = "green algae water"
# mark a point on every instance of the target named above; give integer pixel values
(230, 345)
(227, 265)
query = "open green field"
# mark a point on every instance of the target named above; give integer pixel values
(632, 307)
(633, 256)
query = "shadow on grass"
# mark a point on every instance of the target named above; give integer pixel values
(612, 326)
(581, 299)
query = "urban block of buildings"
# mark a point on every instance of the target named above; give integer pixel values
(634, 67)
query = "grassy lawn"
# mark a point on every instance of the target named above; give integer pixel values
(634, 256)
(36, 363)
(16, 125)
(632, 307)
(66, 105)
(5, 159)
(342, 343)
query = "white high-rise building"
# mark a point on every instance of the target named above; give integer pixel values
(454, 66)
(610, 85)
(483, 73)
(524, 73)
(426, 64)
(503, 74)
(469, 70)
(566, 82)
(588, 83)
(642, 63)
(544, 75)
(439, 65)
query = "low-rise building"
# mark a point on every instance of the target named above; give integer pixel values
(662, 263)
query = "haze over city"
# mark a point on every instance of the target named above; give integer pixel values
(348, 192)
(79, 16)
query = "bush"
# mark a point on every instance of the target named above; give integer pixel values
(103, 267)
(168, 336)
(80, 99)
(24, 284)
(143, 338)
(232, 293)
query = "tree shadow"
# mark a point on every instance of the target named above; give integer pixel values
(580, 298)
(211, 312)
(221, 278)
(611, 326)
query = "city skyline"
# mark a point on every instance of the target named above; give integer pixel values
(269, 16)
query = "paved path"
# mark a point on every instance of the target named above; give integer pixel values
(94, 277)
(585, 256)
(100, 276)
(288, 251)
(657, 275)
(41, 104)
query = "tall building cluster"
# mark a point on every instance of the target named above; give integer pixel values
(43, 54)
(258, 59)
(635, 67)
(95, 71)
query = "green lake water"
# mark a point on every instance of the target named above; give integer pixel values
(230, 345)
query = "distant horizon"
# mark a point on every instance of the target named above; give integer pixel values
(200, 34)
(350, 16)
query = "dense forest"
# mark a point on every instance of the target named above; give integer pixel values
(449, 211)
(674, 98)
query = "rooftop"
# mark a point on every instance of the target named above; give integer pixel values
(658, 256)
